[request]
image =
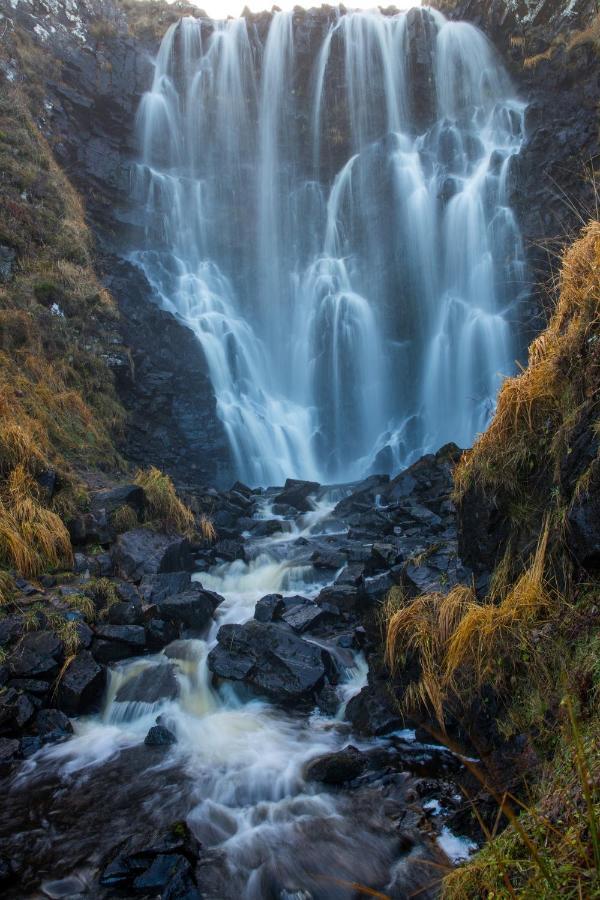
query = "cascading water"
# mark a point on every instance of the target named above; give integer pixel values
(339, 239)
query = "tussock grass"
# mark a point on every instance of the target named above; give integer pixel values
(537, 409)
(32, 538)
(124, 519)
(207, 528)
(164, 507)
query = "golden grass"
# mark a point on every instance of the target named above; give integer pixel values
(124, 519)
(32, 538)
(537, 408)
(459, 640)
(207, 528)
(163, 506)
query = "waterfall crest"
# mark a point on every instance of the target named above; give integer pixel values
(335, 228)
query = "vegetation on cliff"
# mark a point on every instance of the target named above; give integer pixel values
(531, 642)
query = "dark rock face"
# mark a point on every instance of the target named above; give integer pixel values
(271, 659)
(159, 736)
(142, 552)
(161, 866)
(296, 493)
(81, 685)
(584, 526)
(336, 768)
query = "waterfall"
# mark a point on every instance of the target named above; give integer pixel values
(333, 223)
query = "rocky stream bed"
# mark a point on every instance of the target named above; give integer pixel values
(227, 730)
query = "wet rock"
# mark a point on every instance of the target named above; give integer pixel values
(16, 709)
(302, 617)
(126, 614)
(31, 686)
(152, 684)
(115, 642)
(9, 753)
(228, 550)
(159, 736)
(268, 608)
(52, 725)
(374, 711)
(583, 536)
(328, 559)
(296, 493)
(124, 495)
(154, 588)
(160, 865)
(192, 609)
(7, 261)
(271, 659)
(81, 685)
(336, 768)
(160, 633)
(38, 654)
(142, 552)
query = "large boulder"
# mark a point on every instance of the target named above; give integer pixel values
(143, 552)
(154, 588)
(296, 493)
(81, 685)
(16, 710)
(269, 658)
(38, 655)
(115, 642)
(336, 768)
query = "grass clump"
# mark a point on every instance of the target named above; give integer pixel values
(7, 587)
(124, 519)
(521, 451)
(163, 506)
(32, 537)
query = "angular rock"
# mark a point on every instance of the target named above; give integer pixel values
(336, 768)
(192, 609)
(52, 724)
(143, 552)
(81, 685)
(296, 493)
(154, 588)
(16, 709)
(271, 659)
(268, 608)
(373, 711)
(134, 635)
(303, 617)
(38, 654)
(159, 736)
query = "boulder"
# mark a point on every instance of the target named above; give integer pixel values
(160, 633)
(271, 659)
(143, 552)
(302, 617)
(296, 493)
(16, 710)
(268, 608)
(336, 768)
(81, 685)
(159, 865)
(52, 725)
(151, 685)
(126, 614)
(124, 495)
(9, 753)
(116, 642)
(159, 736)
(154, 588)
(374, 711)
(192, 609)
(38, 655)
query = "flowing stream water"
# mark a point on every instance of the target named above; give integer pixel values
(333, 223)
(237, 771)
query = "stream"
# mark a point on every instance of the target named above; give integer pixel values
(237, 770)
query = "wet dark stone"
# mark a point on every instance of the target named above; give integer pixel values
(165, 868)
(303, 617)
(9, 753)
(51, 724)
(154, 588)
(336, 768)
(296, 493)
(81, 685)
(16, 709)
(159, 736)
(133, 635)
(152, 684)
(160, 633)
(192, 609)
(269, 658)
(268, 608)
(373, 711)
(142, 552)
(126, 614)
(38, 654)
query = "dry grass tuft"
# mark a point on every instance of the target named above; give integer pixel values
(163, 506)
(207, 528)
(32, 538)
(459, 641)
(538, 408)
(124, 519)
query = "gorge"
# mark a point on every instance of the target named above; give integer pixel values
(269, 627)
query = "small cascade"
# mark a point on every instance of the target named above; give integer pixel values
(335, 227)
